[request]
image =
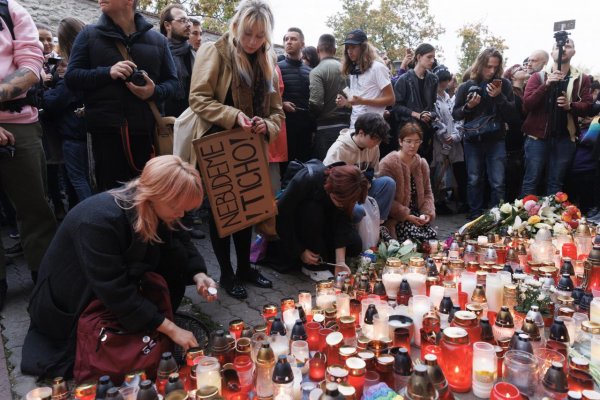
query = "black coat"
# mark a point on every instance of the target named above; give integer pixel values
(61, 103)
(184, 62)
(409, 97)
(95, 254)
(108, 102)
(296, 82)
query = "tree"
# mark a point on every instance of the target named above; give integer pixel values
(215, 13)
(475, 38)
(394, 26)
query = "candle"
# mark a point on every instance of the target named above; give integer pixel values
(208, 373)
(484, 369)
(391, 281)
(325, 301)
(343, 305)
(41, 393)
(305, 300)
(380, 327)
(333, 343)
(312, 333)
(595, 310)
(269, 311)
(357, 369)
(468, 281)
(420, 306)
(493, 292)
(236, 327)
(505, 391)
(595, 353)
(436, 293)
(316, 369)
(457, 359)
(416, 282)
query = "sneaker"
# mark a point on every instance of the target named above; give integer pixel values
(317, 275)
(15, 250)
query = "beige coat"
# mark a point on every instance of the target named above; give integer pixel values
(392, 166)
(211, 79)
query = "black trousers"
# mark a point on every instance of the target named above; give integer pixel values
(222, 249)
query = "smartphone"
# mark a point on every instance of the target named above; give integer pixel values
(497, 82)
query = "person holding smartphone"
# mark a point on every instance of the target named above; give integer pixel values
(485, 94)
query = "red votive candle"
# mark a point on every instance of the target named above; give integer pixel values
(505, 391)
(402, 338)
(236, 327)
(463, 299)
(316, 367)
(323, 332)
(312, 332)
(432, 349)
(287, 303)
(357, 369)
(269, 311)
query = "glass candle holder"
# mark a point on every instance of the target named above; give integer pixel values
(380, 327)
(236, 327)
(505, 391)
(348, 329)
(305, 300)
(336, 373)
(312, 332)
(401, 321)
(323, 332)
(432, 349)
(417, 283)
(371, 379)
(333, 343)
(485, 366)
(457, 359)
(420, 306)
(300, 351)
(520, 369)
(357, 370)
(317, 366)
(580, 380)
(436, 294)
(463, 299)
(401, 338)
(41, 393)
(208, 373)
(256, 343)
(342, 304)
(245, 368)
(356, 311)
(392, 277)
(269, 311)
(493, 292)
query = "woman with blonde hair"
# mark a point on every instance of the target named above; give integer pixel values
(103, 249)
(370, 83)
(236, 86)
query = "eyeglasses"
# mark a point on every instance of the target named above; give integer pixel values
(183, 20)
(412, 142)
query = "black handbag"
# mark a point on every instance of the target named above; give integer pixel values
(480, 127)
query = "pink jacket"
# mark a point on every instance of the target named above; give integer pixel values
(392, 166)
(24, 52)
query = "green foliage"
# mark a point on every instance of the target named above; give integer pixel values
(394, 26)
(475, 37)
(215, 14)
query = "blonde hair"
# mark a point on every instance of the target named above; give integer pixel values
(168, 179)
(253, 13)
(368, 54)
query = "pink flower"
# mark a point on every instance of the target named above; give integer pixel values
(534, 210)
(529, 204)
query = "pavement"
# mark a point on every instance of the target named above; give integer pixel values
(14, 320)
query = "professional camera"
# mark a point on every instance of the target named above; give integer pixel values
(137, 77)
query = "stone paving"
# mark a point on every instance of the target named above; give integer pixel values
(15, 320)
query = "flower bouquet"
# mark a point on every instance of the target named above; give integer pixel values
(526, 216)
(531, 293)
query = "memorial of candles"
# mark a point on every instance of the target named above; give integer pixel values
(459, 310)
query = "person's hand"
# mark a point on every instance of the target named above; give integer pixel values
(493, 90)
(342, 267)
(185, 339)
(203, 282)
(355, 100)
(258, 126)
(554, 76)
(310, 258)
(244, 122)
(122, 70)
(426, 218)
(563, 102)
(6, 137)
(415, 220)
(408, 57)
(288, 106)
(341, 101)
(46, 78)
(425, 117)
(142, 92)
(473, 101)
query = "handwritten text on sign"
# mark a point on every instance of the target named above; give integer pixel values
(234, 169)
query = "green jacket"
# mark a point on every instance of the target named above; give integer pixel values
(326, 82)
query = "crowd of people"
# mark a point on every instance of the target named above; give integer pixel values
(77, 118)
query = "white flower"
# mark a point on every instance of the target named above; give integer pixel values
(522, 296)
(559, 229)
(518, 222)
(506, 208)
(541, 297)
(518, 204)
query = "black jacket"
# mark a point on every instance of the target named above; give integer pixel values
(61, 103)
(108, 102)
(409, 98)
(95, 254)
(296, 81)
(503, 105)
(184, 62)
(309, 186)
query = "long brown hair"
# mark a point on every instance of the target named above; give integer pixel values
(482, 61)
(347, 186)
(166, 178)
(68, 29)
(368, 55)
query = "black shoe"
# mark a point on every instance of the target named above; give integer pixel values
(235, 289)
(254, 277)
(197, 234)
(3, 289)
(34, 275)
(15, 250)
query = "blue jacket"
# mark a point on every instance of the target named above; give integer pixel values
(61, 103)
(108, 102)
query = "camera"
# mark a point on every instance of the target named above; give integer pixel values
(54, 60)
(473, 90)
(137, 77)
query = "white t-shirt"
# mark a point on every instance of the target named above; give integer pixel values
(369, 85)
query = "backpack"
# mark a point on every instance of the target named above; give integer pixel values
(5, 15)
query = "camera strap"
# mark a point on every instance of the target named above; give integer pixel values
(5, 14)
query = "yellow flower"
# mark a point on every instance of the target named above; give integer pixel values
(534, 219)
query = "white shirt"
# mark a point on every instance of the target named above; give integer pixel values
(369, 85)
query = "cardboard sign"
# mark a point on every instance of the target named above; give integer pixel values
(235, 174)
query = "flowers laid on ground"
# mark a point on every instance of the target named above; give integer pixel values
(532, 293)
(526, 216)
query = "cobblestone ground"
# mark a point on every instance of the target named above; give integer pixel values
(15, 320)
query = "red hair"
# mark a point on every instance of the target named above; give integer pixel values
(347, 186)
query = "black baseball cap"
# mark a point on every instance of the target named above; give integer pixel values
(357, 36)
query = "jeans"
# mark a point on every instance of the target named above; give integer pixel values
(23, 180)
(481, 158)
(75, 154)
(551, 156)
(382, 190)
